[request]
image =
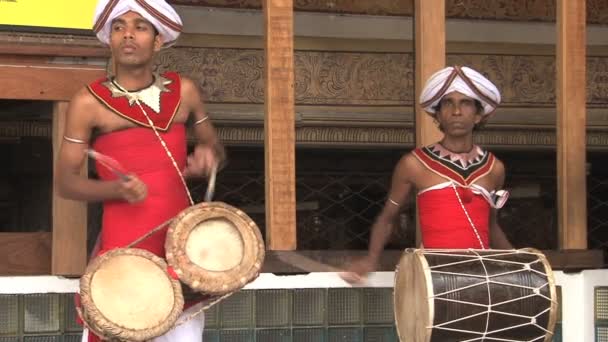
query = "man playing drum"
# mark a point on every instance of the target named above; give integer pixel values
(138, 119)
(457, 182)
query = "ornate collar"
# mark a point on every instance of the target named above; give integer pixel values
(159, 101)
(149, 95)
(462, 168)
(459, 160)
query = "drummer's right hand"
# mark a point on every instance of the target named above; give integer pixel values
(132, 189)
(357, 271)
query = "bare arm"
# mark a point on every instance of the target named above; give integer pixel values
(498, 239)
(397, 196)
(382, 228)
(208, 149)
(71, 183)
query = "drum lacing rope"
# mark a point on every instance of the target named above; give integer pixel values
(468, 217)
(208, 197)
(525, 267)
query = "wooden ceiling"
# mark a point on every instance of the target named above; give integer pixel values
(511, 10)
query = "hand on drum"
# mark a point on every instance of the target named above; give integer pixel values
(200, 162)
(132, 189)
(357, 271)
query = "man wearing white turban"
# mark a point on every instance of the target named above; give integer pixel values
(138, 117)
(457, 183)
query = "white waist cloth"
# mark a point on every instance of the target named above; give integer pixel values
(191, 331)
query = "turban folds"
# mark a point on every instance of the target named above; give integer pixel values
(158, 12)
(463, 80)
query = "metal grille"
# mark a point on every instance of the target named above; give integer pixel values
(337, 209)
(597, 190)
(531, 221)
(340, 193)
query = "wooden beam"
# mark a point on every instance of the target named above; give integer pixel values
(571, 123)
(25, 253)
(429, 22)
(54, 50)
(279, 126)
(45, 82)
(430, 57)
(335, 260)
(69, 217)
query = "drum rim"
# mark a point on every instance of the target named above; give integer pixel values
(213, 282)
(552, 289)
(101, 325)
(421, 263)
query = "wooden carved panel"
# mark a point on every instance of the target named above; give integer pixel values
(510, 10)
(358, 78)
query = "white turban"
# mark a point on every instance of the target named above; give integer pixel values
(463, 80)
(158, 12)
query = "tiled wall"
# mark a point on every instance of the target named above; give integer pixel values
(601, 314)
(284, 315)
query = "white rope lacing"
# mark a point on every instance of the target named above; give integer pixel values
(486, 280)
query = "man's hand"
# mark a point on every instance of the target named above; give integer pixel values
(132, 189)
(200, 162)
(357, 271)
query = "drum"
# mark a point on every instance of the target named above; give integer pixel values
(128, 294)
(474, 295)
(214, 248)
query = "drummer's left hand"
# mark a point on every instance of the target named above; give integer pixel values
(200, 162)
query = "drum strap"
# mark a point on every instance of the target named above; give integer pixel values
(137, 101)
(468, 217)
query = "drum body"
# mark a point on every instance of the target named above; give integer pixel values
(474, 295)
(214, 248)
(128, 295)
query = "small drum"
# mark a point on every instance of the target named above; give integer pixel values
(214, 248)
(474, 295)
(128, 294)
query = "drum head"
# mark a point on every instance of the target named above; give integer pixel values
(413, 309)
(214, 248)
(128, 294)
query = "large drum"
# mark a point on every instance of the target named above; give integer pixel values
(474, 295)
(128, 294)
(214, 248)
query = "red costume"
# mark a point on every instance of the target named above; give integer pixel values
(139, 151)
(456, 214)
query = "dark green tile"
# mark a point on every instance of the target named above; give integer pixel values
(601, 303)
(237, 310)
(273, 335)
(272, 308)
(557, 333)
(233, 335)
(601, 334)
(380, 334)
(309, 335)
(55, 338)
(9, 314)
(378, 306)
(344, 306)
(309, 307)
(212, 317)
(9, 339)
(72, 338)
(71, 315)
(345, 334)
(210, 335)
(41, 313)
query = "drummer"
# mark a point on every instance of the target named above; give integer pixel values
(147, 188)
(458, 184)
